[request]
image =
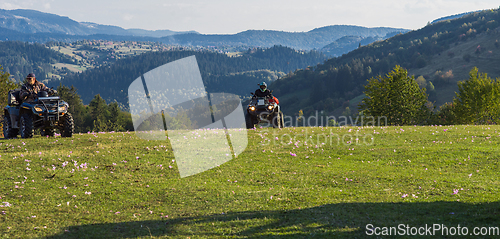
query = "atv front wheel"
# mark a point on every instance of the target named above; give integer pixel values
(68, 125)
(8, 131)
(26, 126)
(249, 121)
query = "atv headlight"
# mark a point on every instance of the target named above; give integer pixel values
(270, 107)
(63, 108)
(252, 108)
(38, 109)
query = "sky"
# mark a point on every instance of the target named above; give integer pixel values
(233, 16)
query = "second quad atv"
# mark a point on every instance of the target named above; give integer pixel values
(263, 110)
(46, 113)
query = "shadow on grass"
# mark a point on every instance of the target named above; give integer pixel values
(345, 220)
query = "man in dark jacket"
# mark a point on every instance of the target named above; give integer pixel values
(31, 88)
(263, 91)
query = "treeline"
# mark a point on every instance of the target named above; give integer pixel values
(97, 116)
(21, 58)
(340, 79)
(217, 70)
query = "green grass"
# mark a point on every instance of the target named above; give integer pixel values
(326, 190)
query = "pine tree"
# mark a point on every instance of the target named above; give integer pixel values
(98, 112)
(76, 107)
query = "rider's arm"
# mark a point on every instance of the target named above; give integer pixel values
(24, 92)
(43, 87)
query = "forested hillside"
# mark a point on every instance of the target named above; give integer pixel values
(442, 53)
(220, 72)
(20, 58)
(347, 44)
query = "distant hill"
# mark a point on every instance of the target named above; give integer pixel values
(443, 53)
(314, 39)
(31, 21)
(347, 44)
(106, 68)
(35, 26)
(220, 72)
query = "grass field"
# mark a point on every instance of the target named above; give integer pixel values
(293, 182)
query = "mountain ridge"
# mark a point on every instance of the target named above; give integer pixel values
(314, 39)
(32, 21)
(35, 26)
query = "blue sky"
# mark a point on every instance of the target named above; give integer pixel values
(232, 16)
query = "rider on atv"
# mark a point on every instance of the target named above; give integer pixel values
(263, 92)
(31, 88)
(263, 107)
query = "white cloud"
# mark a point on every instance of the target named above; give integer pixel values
(128, 17)
(229, 16)
(8, 6)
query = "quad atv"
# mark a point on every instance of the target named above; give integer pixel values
(263, 109)
(46, 113)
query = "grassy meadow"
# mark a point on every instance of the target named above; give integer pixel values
(288, 183)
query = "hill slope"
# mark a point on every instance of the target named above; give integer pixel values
(21, 58)
(220, 72)
(443, 52)
(347, 44)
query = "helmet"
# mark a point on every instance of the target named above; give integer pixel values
(263, 86)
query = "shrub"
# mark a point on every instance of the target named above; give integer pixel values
(396, 96)
(478, 99)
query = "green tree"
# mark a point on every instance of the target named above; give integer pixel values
(446, 115)
(98, 112)
(300, 119)
(5, 86)
(396, 96)
(76, 107)
(422, 83)
(478, 99)
(118, 119)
